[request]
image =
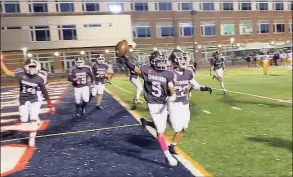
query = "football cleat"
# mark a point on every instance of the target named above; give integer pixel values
(172, 149)
(171, 161)
(99, 107)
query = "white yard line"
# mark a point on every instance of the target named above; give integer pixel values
(258, 96)
(127, 92)
(207, 112)
(236, 108)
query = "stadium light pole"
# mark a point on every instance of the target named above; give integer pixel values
(193, 15)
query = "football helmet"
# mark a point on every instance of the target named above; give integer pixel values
(32, 66)
(100, 58)
(79, 62)
(179, 59)
(158, 60)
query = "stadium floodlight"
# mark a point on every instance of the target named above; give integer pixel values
(219, 45)
(24, 50)
(287, 41)
(238, 45)
(199, 47)
(133, 45)
(232, 40)
(115, 8)
(272, 42)
(131, 50)
(107, 51)
(155, 49)
(56, 54)
(29, 55)
(82, 52)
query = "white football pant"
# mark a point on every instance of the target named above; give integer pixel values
(82, 94)
(179, 116)
(29, 110)
(219, 73)
(136, 82)
(159, 115)
(98, 89)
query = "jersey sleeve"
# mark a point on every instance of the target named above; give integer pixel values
(71, 72)
(144, 70)
(171, 79)
(19, 73)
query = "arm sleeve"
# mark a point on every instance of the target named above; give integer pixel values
(71, 75)
(171, 79)
(44, 91)
(18, 72)
(91, 74)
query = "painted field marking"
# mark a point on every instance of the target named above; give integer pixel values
(74, 132)
(194, 167)
(236, 108)
(258, 96)
(127, 92)
(207, 112)
(263, 105)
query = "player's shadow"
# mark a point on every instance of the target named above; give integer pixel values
(121, 148)
(233, 101)
(275, 75)
(143, 141)
(273, 141)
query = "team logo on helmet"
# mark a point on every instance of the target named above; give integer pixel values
(179, 58)
(158, 60)
(79, 62)
(32, 66)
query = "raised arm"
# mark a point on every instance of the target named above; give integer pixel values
(5, 70)
(131, 66)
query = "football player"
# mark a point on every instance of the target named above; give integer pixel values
(43, 73)
(110, 71)
(79, 76)
(158, 90)
(134, 79)
(218, 65)
(289, 59)
(179, 113)
(100, 71)
(29, 81)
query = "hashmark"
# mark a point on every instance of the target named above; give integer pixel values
(236, 108)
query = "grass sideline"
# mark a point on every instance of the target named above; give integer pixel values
(255, 140)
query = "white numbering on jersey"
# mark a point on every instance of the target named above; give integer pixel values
(29, 90)
(157, 89)
(182, 90)
(82, 80)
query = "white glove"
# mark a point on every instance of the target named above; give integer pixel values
(171, 98)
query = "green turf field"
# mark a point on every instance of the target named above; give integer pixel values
(253, 141)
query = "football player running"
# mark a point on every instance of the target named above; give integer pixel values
(43, 73)
(179, 113)
(30, 82)
(100, 71)
(79, 76)
(158, 90)
(218, 65)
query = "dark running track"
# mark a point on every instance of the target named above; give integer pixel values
(119, 152)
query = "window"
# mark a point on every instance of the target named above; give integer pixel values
(279, 26)
(67, 32)
(46, 61)
(245, 5)
(90, 7)
(290, 26)
(278, 5)
(186, 29)
(40, 33)
(207, 6)
(262, 6)
(65, 6)
(263, 27)
(290, 5)
(142, 6)
(165, 30)
(92, 25)
(227, 6)
(228, 28)
(11, 28)
(163, 6)
(185, 6)
(141, 31)
(208, 28)
(38, 7)
(68, 59)
(115, 6)
(11, 7)
(91, 56)
(246, 27)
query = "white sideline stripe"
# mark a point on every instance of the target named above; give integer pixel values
(248, 94)
(127, 91)
(205, 111)
(152, 131)
(236, 108)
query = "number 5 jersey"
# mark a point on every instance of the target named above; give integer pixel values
(156, 84)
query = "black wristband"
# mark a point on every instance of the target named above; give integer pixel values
(204, 88)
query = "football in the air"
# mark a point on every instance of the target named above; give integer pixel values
(122, 48)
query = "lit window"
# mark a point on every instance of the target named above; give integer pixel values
(246, 27)
(228, 28)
